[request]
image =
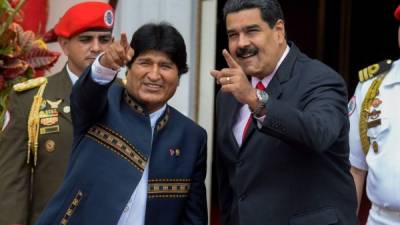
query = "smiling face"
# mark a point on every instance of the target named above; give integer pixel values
(253, 44)
(152, 79)
(83, 48)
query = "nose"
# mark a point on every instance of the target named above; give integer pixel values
(95, 47)
(243, 41)
(154, 73)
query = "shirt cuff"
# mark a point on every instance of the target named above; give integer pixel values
(101, 74)
(358, 163)
(260, 120)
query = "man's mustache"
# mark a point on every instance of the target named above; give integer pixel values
(242, 52)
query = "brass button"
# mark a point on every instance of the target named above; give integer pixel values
(375, 147)
(50, 145)
(67, 109)
(43, 105)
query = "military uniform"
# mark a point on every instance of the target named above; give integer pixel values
(375, 124)
(35, 146)
(25, 188)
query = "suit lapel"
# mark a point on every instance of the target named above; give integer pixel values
(232, 110)
(274, 88)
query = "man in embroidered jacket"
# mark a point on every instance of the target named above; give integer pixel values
(136, 160)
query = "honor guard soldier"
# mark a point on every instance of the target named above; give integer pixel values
(374, 139)
(36, 144)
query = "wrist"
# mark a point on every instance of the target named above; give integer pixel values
(101, 60)
(252, 101)
(260, 109)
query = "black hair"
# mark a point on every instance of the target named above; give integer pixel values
(161, 37)
(271, 10)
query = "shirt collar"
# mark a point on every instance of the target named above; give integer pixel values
(72, 76)
(393, 75)
(156, 115)
(267, 79)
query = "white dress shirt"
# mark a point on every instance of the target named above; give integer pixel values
(135, 211)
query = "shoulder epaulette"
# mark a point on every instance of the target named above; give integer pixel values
(374, 70)
(29, 84)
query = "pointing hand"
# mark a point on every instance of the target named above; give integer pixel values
(117, 54)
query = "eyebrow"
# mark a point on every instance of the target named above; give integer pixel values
(145, 58)
(248, 27)
(94, 34)
(251, 26)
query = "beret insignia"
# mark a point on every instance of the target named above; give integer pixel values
(109, 18)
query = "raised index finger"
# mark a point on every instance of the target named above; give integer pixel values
(229, 59)
(124, 41)
(127, 48)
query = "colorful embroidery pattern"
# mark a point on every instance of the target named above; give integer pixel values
(118, 144)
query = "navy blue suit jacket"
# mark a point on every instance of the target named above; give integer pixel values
(112, 144)
(295, 168)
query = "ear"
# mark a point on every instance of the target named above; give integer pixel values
(398, 36)
(279, 28)
(63, 42)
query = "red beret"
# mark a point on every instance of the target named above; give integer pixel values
(85, 16)
(397, 13)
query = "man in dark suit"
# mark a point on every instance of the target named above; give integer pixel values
(136, 160)
(36, 144)
(282, 127)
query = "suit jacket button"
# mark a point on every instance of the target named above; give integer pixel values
(242, 197)
(126, 209)
(239, 163)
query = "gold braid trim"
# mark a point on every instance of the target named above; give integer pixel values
(363, 125)
(33, 125)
